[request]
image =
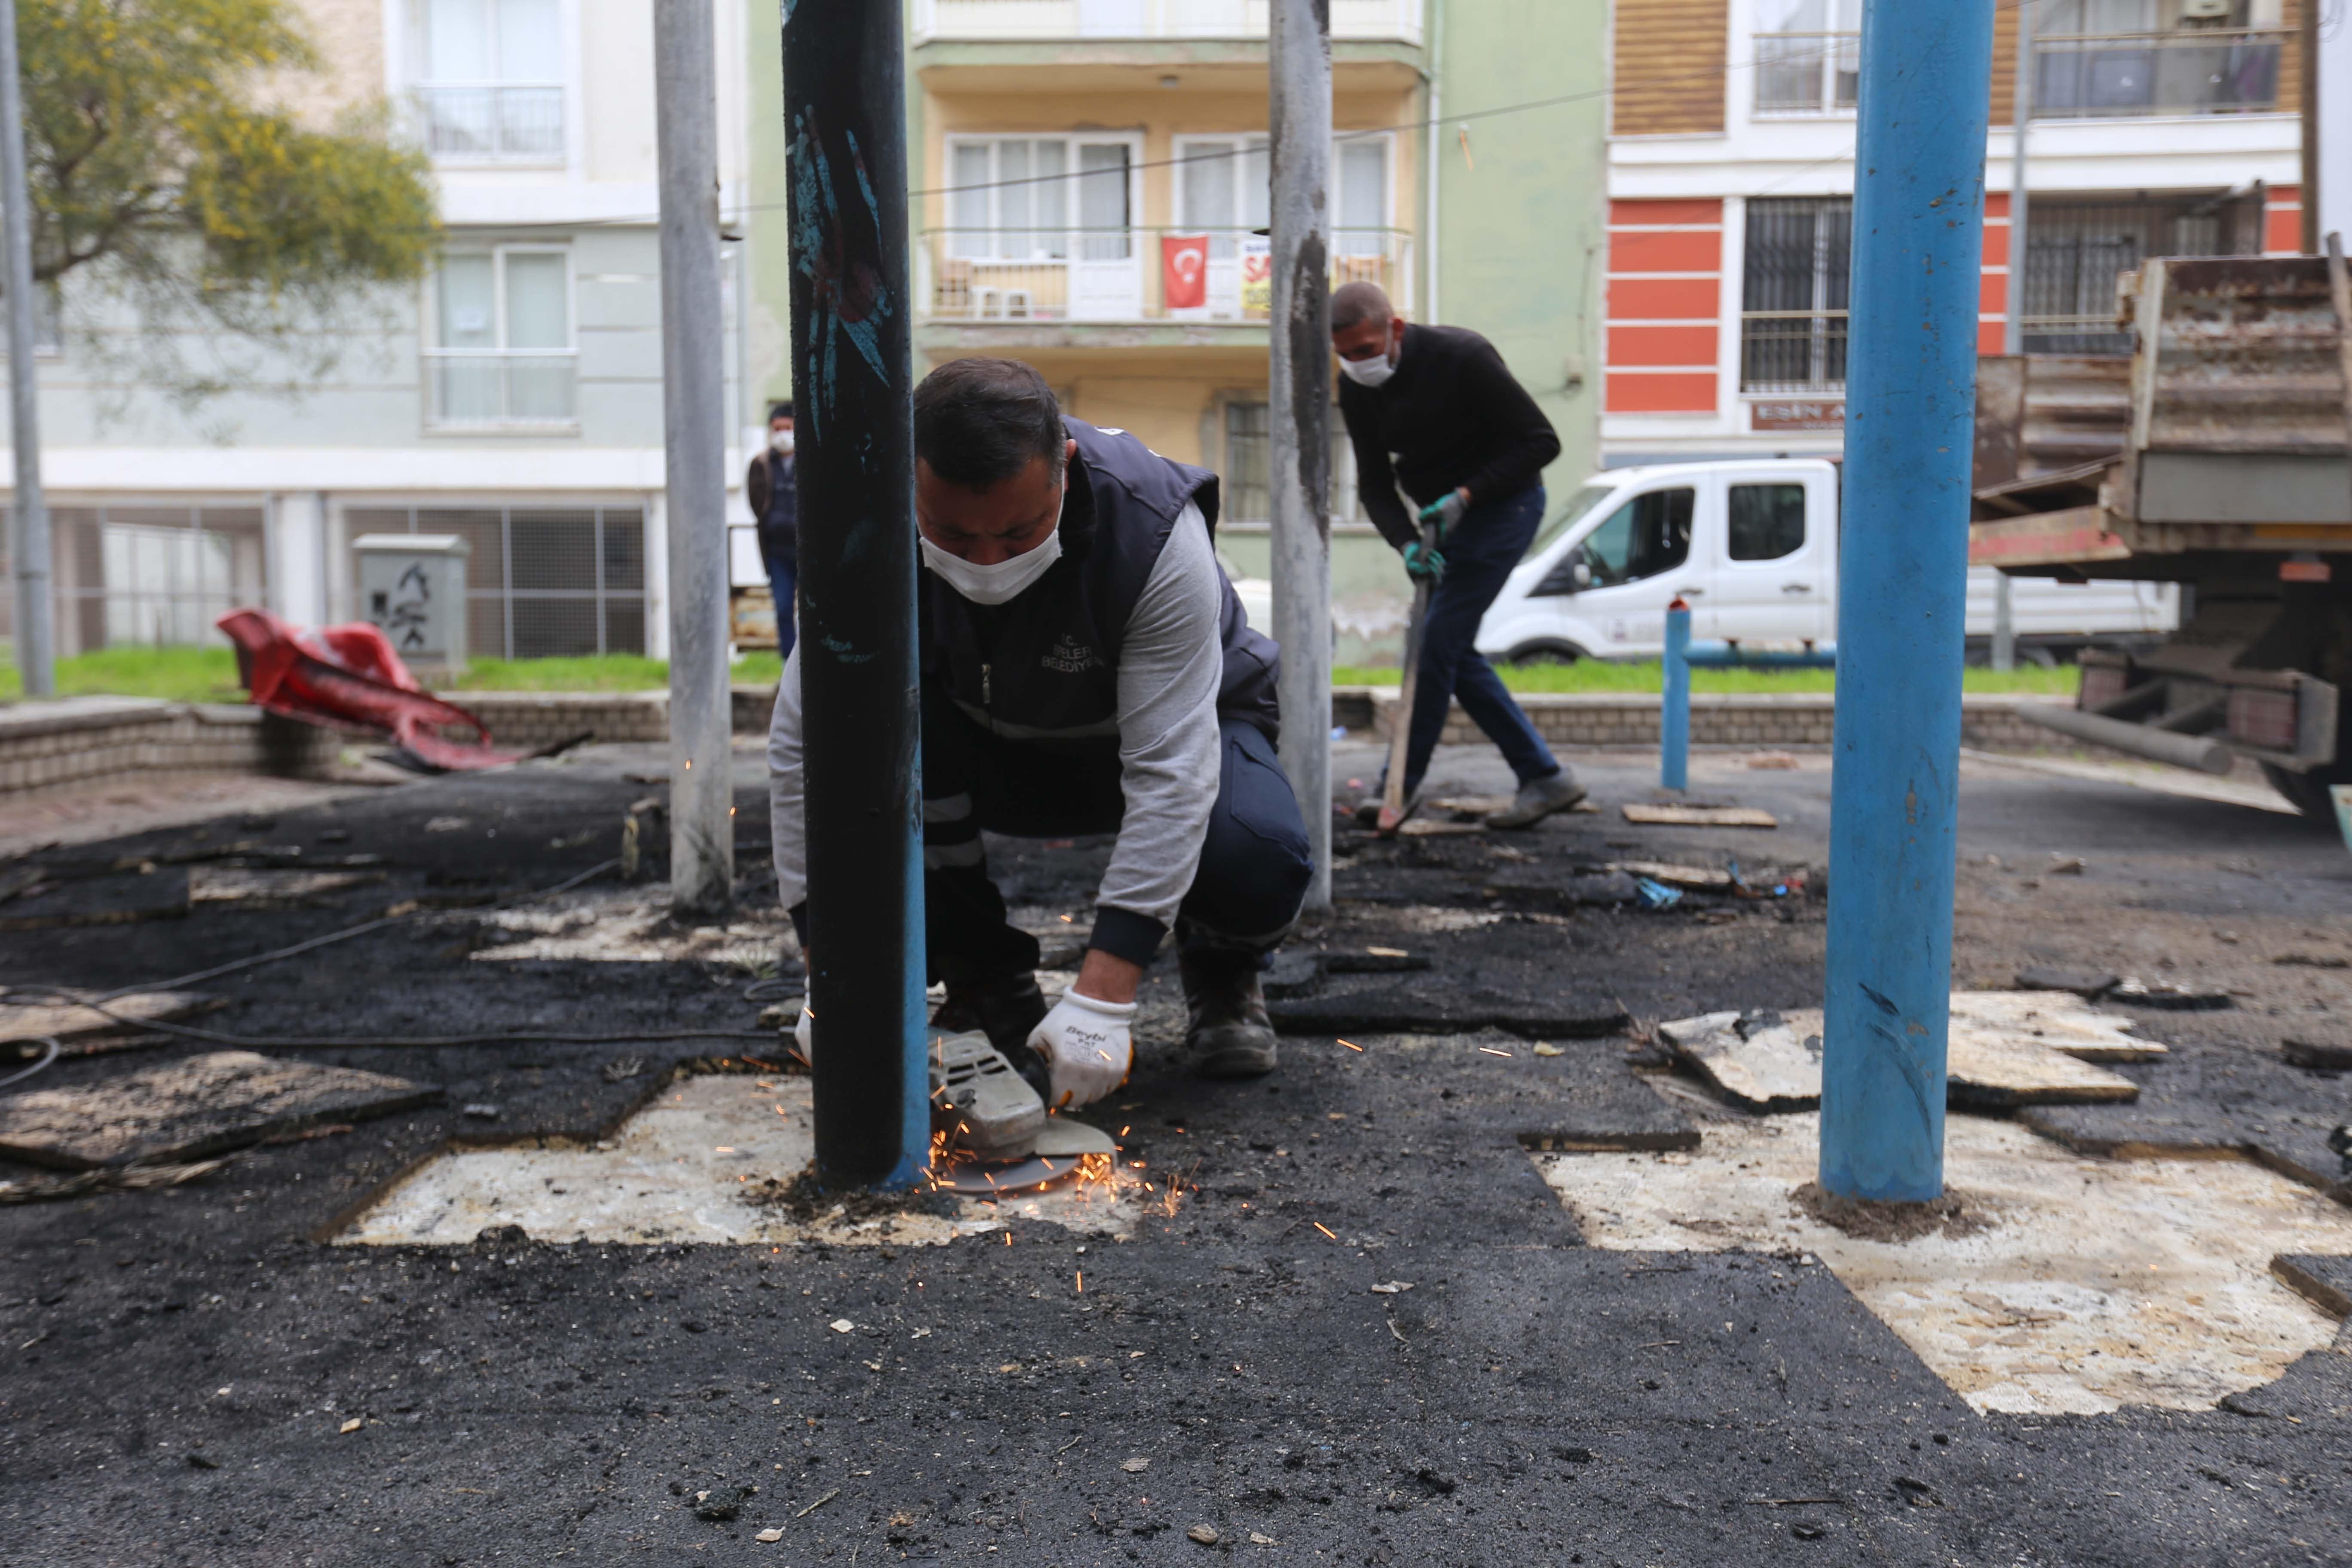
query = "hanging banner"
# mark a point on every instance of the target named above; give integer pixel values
(1257, 276)
(1184, 271)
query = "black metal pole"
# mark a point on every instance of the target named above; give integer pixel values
(845, 130)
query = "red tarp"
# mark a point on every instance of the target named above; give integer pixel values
(348, 678)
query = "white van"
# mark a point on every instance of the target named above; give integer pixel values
(1751, 546)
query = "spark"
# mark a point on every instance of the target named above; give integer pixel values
(1082, 1281)
(1491, 1051)
(1325, 1229)
(1351, 1045)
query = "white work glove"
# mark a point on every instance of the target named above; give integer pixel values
(802, 1036)
(1088, 1048)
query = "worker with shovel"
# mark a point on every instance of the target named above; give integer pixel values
(1086, 669)
(1432, 409)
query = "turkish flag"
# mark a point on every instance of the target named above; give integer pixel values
(1184, 271)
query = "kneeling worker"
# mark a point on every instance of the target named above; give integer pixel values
(1469, 446)
(1086, 668)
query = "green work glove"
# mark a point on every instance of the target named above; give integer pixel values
(1423, 560)
(1445, 512)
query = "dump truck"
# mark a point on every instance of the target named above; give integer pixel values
(2215, 459)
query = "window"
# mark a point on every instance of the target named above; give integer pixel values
(541, 583)
(1767, 521)
(492, 82)
(1014, 198)
(1647, 535)
(1808, 55)
(1247, 498)
(502, 352)
(1793, 295)
(1223, 187)
(2075, 250)
(148, 575)
(2097, 57)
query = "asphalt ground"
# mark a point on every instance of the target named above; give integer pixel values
(177, 1367)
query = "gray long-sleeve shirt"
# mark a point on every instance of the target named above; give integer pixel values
(1170, 663)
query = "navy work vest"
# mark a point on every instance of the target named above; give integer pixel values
(1044, 664)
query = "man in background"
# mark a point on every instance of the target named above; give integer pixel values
(774, 490)
(1433, 410)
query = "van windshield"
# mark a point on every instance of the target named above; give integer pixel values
(1578, 504)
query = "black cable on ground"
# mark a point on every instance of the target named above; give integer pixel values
(21, 1074)
(273, 954)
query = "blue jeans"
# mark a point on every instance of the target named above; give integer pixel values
(1479, 553)
(783, 572)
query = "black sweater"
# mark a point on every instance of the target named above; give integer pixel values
(1453, 416)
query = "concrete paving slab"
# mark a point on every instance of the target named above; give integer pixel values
(2084, 1286)
(2001, 1052)
(700, 1163)
(197, 1105)
(39, 1014)
(632, 925)
(125, 898)
(244, 886)
(1698, 815)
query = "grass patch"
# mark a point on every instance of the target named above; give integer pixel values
(1594, 675)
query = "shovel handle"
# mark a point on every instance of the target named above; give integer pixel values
(1400, 732)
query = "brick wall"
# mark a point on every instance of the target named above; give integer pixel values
(1630, 719)
(46, 745)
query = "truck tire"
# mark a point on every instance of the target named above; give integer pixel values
(2308, 791)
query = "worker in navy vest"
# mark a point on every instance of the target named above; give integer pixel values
(772, 486)
(1086, 669)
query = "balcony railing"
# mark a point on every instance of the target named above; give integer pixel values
(1132, 274)
(2084, 76)
(485, 389)
(1792, 351)
(1387, 19)
(492, 123)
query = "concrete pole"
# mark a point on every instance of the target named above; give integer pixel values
(1299, 474)
(1918, 227)
(853, 353)
(36, 625)
(694, 430)
(2020, 116)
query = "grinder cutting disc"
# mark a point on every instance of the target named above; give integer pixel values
(1062, 1147)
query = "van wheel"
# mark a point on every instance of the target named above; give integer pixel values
(1544, 653)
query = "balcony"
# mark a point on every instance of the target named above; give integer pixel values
(1129, 274)
(492, 123)
(2087, 76)
(1387, 20)
(486, 389)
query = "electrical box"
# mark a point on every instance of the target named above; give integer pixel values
(413, 587)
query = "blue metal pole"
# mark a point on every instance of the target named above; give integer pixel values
(1673, 716)
(852, 358)
(1919, 234)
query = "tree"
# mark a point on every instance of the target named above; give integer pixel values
(180, 201)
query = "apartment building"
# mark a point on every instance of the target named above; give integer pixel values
(514, 399)
(1090, 185)
(2158, 127)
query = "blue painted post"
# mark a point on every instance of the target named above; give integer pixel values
(852, 358)
(1919, 233)
(1674, 717)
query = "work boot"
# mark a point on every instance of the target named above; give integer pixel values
(1538, 798)
(1227, 1030)
(1005, 1009)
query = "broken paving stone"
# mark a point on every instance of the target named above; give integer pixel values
(251, 890)
(1699, 816)
(46, 1014)
(2059, 1019)
(841, 1325)
(353, 1424)
(1375, 961)
(719, 1504)
(2316, 1056)
(2065, 865)
(484, 1110)
(2172, 997)
(2088, 984)
(1392, 1288)
(769, 1535)
(1772, 761)
(1135, 1466)
(1292, 974)
(1206, 1534)
(1772, 1061)
(224, 1100)
(1258, 1537)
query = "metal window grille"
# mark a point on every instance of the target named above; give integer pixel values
(1249, 454)
(1792, 331)
(147, 575)
(542, 581)
(2074, 252)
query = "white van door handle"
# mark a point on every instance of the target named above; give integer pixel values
(1689, 592)
(1796, 587)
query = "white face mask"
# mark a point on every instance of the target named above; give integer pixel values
(781, 441)
(1001, 582)
(1367, 372)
